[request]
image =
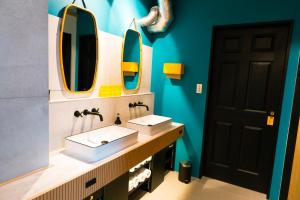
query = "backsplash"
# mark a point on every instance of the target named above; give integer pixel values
(62, 122)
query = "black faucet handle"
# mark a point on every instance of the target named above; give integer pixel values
(95, 110)
(85, 112)
(77, 114)
(141, 103)
(130, 105)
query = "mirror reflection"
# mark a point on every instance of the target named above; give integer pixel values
(78, 49)
(131, 63)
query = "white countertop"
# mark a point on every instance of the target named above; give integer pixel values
(62, 168)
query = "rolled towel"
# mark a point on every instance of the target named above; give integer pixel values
(140, 177)
(136, 183)
(149, 159)
(134, 180)
(132, 170)
(147, 173)
(143, 174)
(130, 186)
(138, 166)
(144, 163)
(132, 183)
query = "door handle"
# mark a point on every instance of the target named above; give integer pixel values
(271, 118)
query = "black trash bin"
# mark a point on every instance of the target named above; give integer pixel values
(185, 171)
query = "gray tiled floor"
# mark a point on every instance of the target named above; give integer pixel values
(204, 189)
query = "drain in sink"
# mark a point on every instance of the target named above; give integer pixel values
(104, 142)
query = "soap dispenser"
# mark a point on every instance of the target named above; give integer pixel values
(118, 120)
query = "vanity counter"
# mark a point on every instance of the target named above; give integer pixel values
(66, 177)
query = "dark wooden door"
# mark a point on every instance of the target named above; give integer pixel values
(246, 84)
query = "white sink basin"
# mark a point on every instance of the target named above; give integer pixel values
(150, 124)
(95, 145)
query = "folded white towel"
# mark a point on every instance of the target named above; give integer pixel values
(137, 177)
(130, 186)
(149, 159)
(134, 179)
(143, 163)
(147, 173)
(132, 170)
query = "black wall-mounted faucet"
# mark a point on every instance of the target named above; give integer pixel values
(78, 114)
(94, 111)
(133, 105)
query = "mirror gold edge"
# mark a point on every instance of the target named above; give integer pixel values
(61, 50)
(135, 90)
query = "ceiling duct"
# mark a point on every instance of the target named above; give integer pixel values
(159, 17)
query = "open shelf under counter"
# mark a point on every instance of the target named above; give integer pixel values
(71, 179)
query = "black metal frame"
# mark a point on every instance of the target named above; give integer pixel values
(83, 3)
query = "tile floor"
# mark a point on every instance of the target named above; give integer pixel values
(200, 189)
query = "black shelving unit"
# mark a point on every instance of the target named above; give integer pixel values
(118, 189)
(98, 195)
(139, 186)
(161, 163)
(142, 187)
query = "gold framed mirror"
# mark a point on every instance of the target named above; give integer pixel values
(78, 50)
(131, 62)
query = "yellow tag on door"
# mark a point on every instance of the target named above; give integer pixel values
(270, 121)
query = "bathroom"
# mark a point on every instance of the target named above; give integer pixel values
(178, 100)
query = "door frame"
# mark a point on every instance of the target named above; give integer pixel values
(289, 24)
(291, 143)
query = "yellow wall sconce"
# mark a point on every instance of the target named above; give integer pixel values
(173, 70)
(130, 68)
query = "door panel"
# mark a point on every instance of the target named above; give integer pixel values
(250, 149)
(222, 141)
(227, 85)
(246, 86)
(257, 85)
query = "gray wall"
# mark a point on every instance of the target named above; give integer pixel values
(24, 135)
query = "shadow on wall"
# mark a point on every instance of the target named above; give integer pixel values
(110, 2)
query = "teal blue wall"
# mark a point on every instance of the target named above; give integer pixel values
(113, 16)
(188, 41)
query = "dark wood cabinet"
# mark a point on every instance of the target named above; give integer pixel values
(98, 195)
(117, 189)
(162, 162)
